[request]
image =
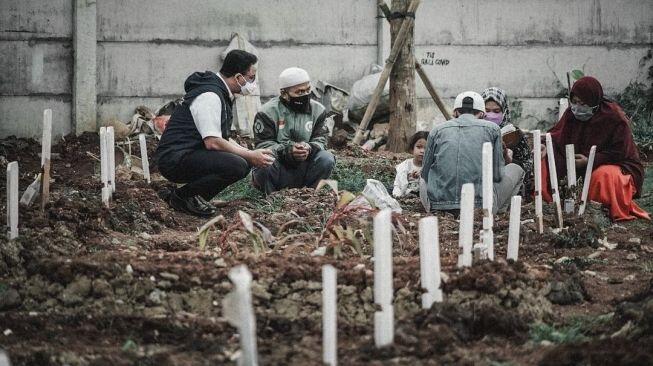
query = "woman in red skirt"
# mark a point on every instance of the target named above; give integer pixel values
(618, 173)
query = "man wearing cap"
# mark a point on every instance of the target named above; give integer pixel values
(195, 148)
(453, 158)
(292, 126)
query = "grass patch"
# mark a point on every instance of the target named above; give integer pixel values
(648, 266)
(646, 200)
(578, 329)
(241, 190)
(544, 332)
(352, 174)
(350, 178)
(582, 263)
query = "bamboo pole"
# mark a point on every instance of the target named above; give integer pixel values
(431, 89)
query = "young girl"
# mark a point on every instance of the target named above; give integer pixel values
(408, 172)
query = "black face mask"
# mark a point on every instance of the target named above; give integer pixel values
(298, 104)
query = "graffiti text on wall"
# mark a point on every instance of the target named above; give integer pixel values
(431, 60)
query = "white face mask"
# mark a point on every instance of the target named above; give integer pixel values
(249, 88)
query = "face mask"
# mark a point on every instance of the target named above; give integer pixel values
(299, 104)
(249, 88)
(494, 117)
(582, 112)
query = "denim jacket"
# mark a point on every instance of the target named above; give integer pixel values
(453, 158)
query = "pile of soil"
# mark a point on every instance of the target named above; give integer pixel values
(88, 285)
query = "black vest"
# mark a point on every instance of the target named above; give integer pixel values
(181, 136)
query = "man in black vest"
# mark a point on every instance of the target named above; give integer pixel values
(195, 148)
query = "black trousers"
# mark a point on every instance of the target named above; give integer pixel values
(206, 172)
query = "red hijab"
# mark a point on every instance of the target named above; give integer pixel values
(608, 129)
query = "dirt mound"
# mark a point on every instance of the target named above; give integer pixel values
(617, 351)
(566, 285)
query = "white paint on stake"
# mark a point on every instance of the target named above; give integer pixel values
(586, 182)
(564, 104)
(111, 153)
(329, 316)
(242, 280)
(383, 319)
(106, 196)
(513, 228)
(12, 200)
(144, 162)
(570, 157)
(104, 162)
(553, 174)
(537, 160)
(429, 258)
(466, 230)
(46, 139)
(488, 196)
(571, 165)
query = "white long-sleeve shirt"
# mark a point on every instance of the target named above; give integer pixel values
(405, 183)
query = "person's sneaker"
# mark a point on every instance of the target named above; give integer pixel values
(195, 205)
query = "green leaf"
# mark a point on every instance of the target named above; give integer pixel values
(129, 345)
(577, 74)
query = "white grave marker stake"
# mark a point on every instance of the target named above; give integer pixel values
(383, 319)
(564, 104)
(429, 258)
(144, 162)
(111, 152)
(329, 316)
(571, 165)
(46, 140)
(550, 157)
(4, 359)
(571, 176)
(537, 160)
(33, 190)
(104, 160)
(488, 196)
(466, 230)
(242, 280)
(104, 167)
(586, 182)
(12, 200)
(513, 228)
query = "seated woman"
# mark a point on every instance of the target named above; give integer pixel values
(497, 110)
(618, 172)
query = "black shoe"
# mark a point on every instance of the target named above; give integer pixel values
(164, 193)
(195, 205)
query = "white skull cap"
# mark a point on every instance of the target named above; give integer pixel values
(293, 76)
(478, 103)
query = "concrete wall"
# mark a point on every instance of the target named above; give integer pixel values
(36, 63)
(146, 48)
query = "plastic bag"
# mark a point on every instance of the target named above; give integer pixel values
(378, 195)
(361, 95)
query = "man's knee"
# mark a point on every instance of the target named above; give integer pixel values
(324, 161)
(239, 169)
(515, 172)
